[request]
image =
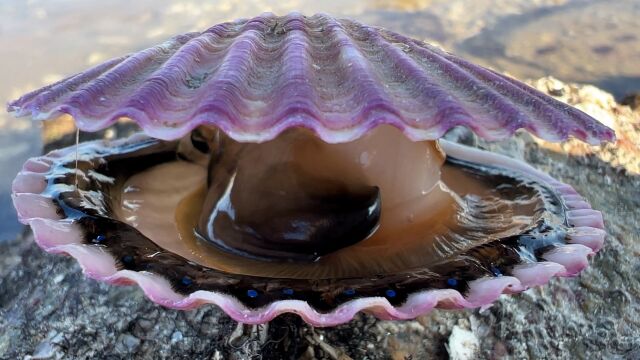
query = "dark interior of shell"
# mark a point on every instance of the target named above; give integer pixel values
(298, 218)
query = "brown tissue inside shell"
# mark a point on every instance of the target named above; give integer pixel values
(296, 207)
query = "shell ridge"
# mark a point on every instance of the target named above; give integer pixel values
(424, 85)
(222, 89)
(185, 75)
(414, 116)
(597, 129)
(307, 100)
(554, 107)
(117, 80)
(300, 97)
(35, 100)
(370, 95)
(549, 111)
(503, 111)
(206, 45)
(545, 107)
(163, 83)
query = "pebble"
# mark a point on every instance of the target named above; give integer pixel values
(47, 349)
(129, 342)
(462, 344)
(176, 336)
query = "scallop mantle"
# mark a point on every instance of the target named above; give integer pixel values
(59, 235)
(254, 78)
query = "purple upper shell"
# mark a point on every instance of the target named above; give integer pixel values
(254, 78)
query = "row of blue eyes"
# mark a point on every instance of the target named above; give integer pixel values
(349, 292)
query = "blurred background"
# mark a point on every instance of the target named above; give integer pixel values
(586, 41)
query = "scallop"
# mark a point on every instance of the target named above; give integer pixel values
(296, 164)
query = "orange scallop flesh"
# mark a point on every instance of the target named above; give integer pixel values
(420, 199)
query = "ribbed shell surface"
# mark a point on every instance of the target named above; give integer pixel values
(255, 78)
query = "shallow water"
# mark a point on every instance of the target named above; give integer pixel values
(593, 41)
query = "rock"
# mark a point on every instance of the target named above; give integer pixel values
(48, 349)
(176, 337)
(632, 101)
(625, 153)
(463, 344)
(127, 343)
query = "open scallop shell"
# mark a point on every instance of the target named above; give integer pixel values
(254, 79)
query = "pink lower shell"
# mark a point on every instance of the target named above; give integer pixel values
(56, 235)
